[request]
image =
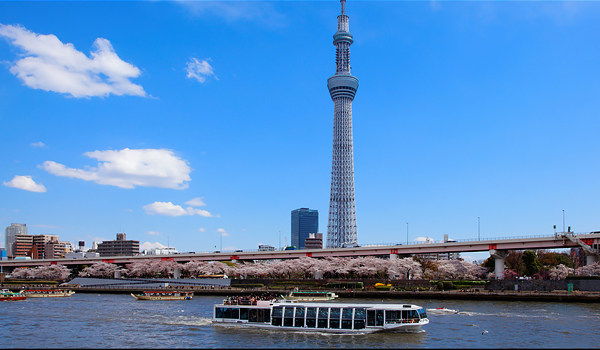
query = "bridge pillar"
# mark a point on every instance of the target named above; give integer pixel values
(499, 256)
(393, 256)
(118, 274)
(591, 259)
(177, 273)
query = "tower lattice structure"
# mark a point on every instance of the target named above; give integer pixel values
(341, 226)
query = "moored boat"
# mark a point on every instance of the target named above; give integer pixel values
(7, 295)
(322, 317)
(163, 295)
(47, 293)
(310, 296)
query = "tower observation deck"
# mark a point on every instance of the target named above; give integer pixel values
(341, 226)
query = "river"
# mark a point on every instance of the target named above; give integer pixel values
(120, 321)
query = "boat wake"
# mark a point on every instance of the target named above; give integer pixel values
(189, 321)
(442, 311)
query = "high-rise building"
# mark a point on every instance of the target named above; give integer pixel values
(341, 226)
(304, 222)
(9, 237)
(22, 245)
(119, 247)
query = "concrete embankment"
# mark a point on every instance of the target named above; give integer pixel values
(554, 296)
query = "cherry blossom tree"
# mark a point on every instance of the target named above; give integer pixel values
(51, 272)
(559, 272)
(101, 270)
(589, 270)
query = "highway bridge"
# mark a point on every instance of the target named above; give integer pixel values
(498, 248)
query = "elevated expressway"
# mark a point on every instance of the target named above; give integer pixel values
(498, 248)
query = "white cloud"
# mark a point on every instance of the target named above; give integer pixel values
(38, 144)
(50, 65)
(129, 168)
(153, 233)
(25, 183)
(196, 202)
(170, 209)
(202, 229)
(200, 70)
(222, 232)
(148, 245)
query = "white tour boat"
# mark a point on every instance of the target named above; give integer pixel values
(322, 317)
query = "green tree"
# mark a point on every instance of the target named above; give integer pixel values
(532, 265)
(490, 263)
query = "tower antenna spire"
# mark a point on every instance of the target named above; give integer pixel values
(343, 6)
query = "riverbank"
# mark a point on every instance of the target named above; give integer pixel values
(553, 296)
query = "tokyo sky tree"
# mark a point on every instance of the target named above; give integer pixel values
(341, 227)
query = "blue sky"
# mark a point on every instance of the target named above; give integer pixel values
(176, 122)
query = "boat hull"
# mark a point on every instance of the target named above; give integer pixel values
(13, 298)
(403, 328)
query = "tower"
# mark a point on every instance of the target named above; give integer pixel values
(341, 226)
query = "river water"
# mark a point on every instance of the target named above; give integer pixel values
(119, 321)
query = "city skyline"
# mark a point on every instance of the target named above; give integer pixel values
(177, 126)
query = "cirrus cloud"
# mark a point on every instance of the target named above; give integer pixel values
(129, 168)
(24, 183)
(200, 70)
(50, 65)
(170, 209)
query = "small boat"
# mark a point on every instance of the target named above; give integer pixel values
(47, 293)
(163, 295)
(8, 295)
(344, 318)
(310, 296)
(442, 311)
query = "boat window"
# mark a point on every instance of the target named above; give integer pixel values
(422, 313)
(299, 320)
(311, 312)
(322, 323)
(243, 314)
(288, 322)
(379, 318)
(252, 315)
(323, 312)
(371, 318)
(360, 314)
(225, 312)
(264, 315)
(393, 316)
(346, 324)
(413, 314)
(311, 322)
(347, 314)
(276, 316)
(359, 324)
(289, 312)
(334, 318)
(277, 311)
